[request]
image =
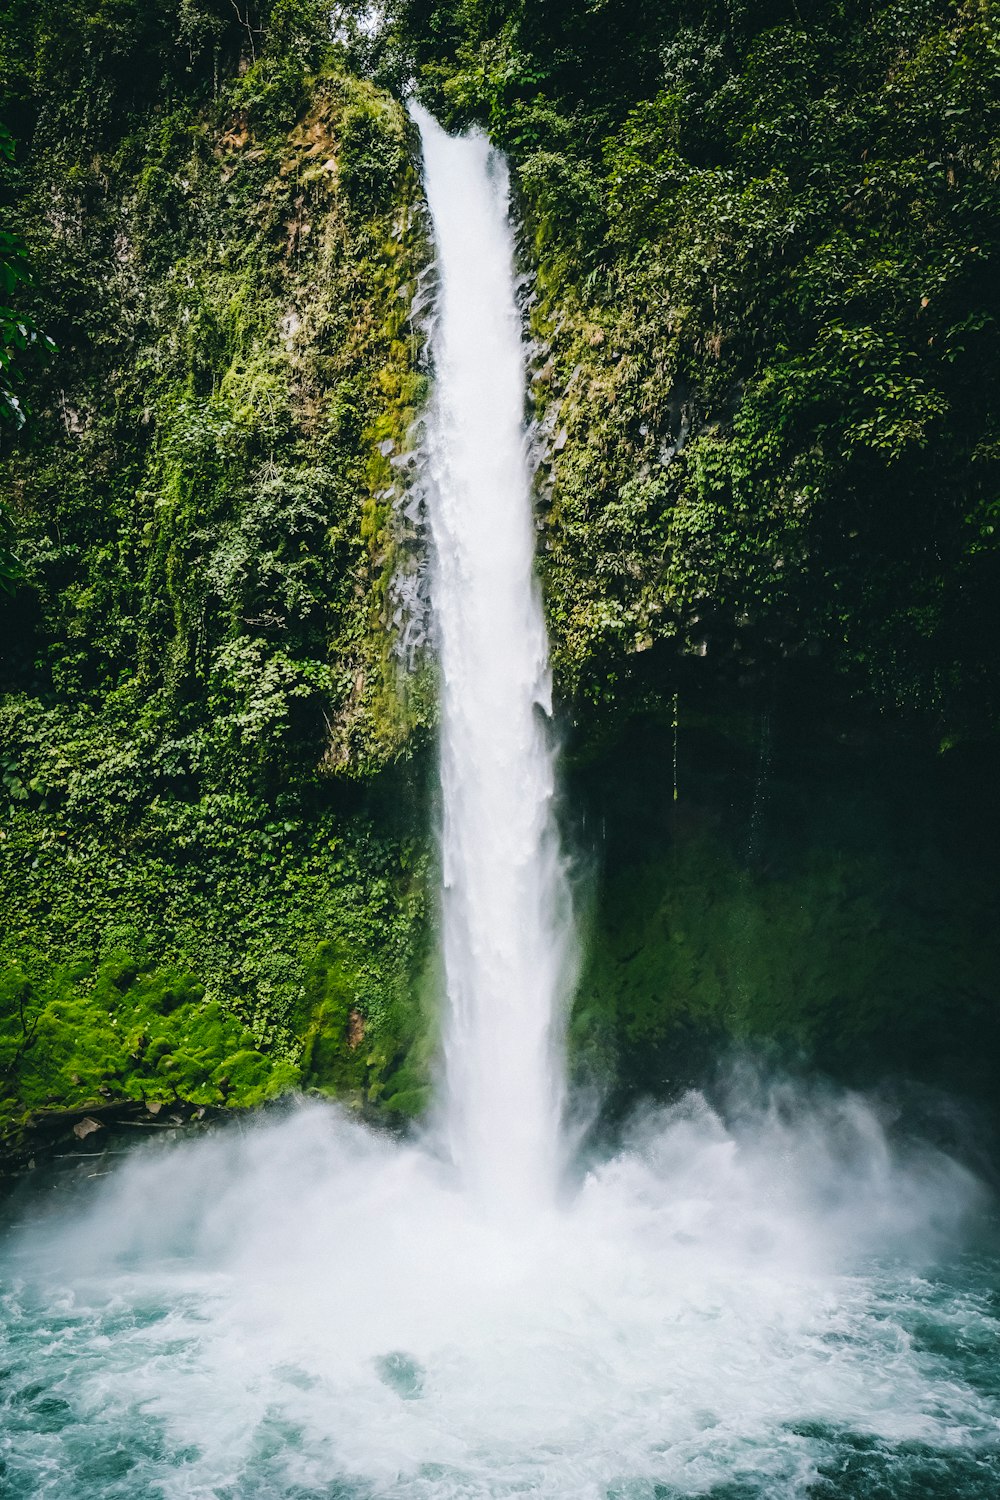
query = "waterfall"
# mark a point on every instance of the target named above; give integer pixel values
(506, 922)
(775, 1295)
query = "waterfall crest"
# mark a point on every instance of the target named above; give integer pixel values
(506, 910)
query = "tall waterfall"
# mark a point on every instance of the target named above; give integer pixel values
(752, 1300)
(505, 903)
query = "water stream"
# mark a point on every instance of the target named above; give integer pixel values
(770, 1297)
(506, 924)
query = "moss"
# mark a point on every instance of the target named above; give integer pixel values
(125, 1031)
(334, 1057)
(793, 903)
(409, 1099)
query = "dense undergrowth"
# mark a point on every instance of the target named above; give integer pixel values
(224, 232)
(763, 298)
(764, 256)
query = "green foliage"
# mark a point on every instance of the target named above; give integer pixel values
(92, 67)
(765, 266)
(128, 1030)
(17, 332)
(219, 566)
(197, 655)
(768, 267)
(788, 898)
(305, 923)
(18, 335)
(373, 152)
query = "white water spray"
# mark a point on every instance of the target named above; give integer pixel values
(506, 909)
(302, 1309)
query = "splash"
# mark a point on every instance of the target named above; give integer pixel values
(505, 904)
(735, 1303)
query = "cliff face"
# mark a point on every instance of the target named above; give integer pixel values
(201, 674)
(763, 299)
(767, 314)
(765, 308)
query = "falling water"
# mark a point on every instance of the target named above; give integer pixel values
(506, 925)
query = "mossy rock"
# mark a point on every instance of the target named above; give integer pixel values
(59, 1039)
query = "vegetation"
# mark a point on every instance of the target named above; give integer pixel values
(17, 335)
(225, 235)
(835, 899)
(767, 271)
(765, 382)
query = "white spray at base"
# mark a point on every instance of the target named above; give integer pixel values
(307, 1310)
(505, 904)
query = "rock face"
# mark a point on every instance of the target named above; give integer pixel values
(759, 291)
(823, 897)
(757, 409)
(203, 676)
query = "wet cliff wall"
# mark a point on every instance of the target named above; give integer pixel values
(760, 292)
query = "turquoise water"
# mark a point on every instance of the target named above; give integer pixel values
(782, 1302)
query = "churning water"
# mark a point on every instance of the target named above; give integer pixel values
(767, 1300)
(305, 1310)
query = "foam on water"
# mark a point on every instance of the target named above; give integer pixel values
(308, 1309)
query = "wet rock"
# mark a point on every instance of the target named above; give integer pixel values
(355, 1029)
(86, 1126)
